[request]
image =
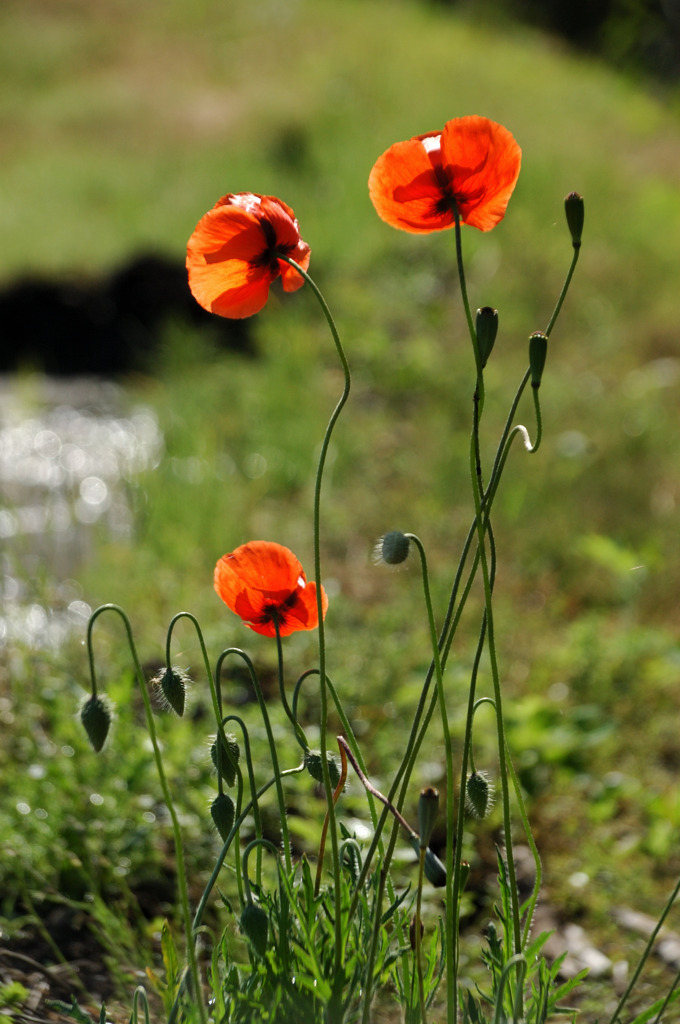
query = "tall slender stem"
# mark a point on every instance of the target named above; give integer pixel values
(323, 689)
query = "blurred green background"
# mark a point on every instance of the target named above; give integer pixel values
(120, 124)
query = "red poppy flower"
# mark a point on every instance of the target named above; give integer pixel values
(235, 252)
(472, 164)
(264, 583)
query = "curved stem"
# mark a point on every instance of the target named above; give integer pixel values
(203, 902)
(257, 820)
(167, 795)
(285, 836)
(563, 293)
(323, 724)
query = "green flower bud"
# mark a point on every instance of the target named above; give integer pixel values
(314, 766)
(435, 872)
(173, 684)
(479, 794)
(486, 327)
(228, 759)
(254, 924)
(96, 717)
(223, 813)
(393, 548)
(428, 808)
(538, 350)
(574, 209)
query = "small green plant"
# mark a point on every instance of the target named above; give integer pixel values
(321, 942)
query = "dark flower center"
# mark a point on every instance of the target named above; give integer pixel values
(273, 250)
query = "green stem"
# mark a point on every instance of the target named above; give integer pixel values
(323, 724)
(167, 796)
(418, 936)
(491, 644)
(257, 820)
(203, 902)
(563, 293)
(292, 717)
(646, 952)
(285, 835)
(450, 796)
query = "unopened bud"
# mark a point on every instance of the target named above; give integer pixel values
(254, 924)
(538, 350)
(223, 813)
(478, 795)
(314, 766)
(96, 717)
(393, 548)
(173, 684)
(486, 328)
(225, 758)
(428, 808)
(435, 872)
(574, 209)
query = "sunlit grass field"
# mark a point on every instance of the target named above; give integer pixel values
(120, 124)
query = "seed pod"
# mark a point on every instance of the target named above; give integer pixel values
(314, 766)
(228, 760)
(223, 813)
(96, 716)
(254, 924)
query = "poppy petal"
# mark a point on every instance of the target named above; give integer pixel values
(290, 279)
(232, 253)
(482, 161)
(405, 189)
(264, 583)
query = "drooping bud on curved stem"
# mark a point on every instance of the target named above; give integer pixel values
(173, 685)
(393, 548)
(96, 716)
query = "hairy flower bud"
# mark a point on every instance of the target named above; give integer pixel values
(228, 757)
(96, 717)
(314, 766)
(173, 684)
(538, 350)
(574, 209)
(486, 328)
(393, 548)
(223, 814)
(479, 792)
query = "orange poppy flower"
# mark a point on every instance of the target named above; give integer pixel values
(264, 583)
(234, 253)
(472, 164)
